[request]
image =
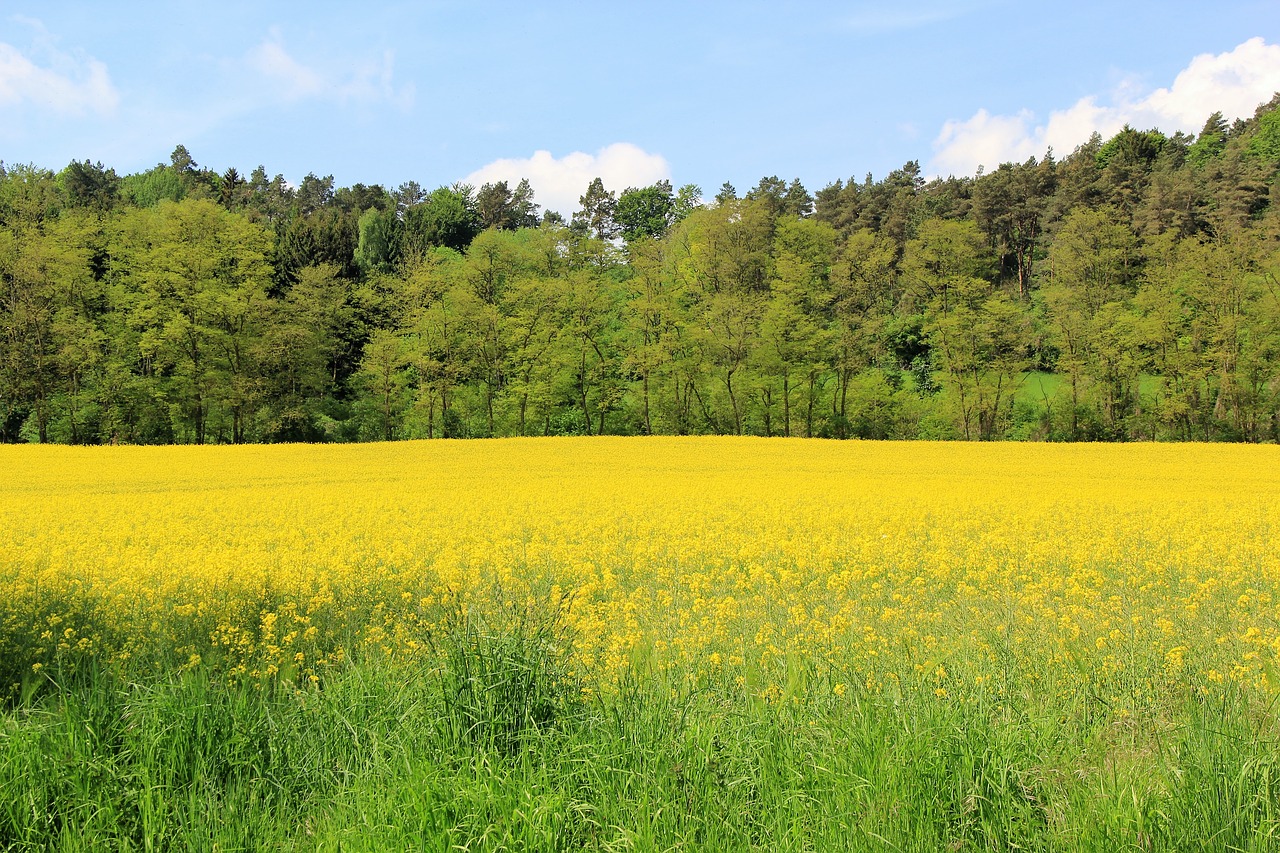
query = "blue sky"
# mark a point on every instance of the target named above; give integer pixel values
(694, 92)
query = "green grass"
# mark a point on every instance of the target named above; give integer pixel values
(499, 748)
(1036, 385)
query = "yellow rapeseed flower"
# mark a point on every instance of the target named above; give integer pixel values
(782, 566)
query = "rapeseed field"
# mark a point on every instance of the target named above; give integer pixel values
(1134, 571)
(1078, 606)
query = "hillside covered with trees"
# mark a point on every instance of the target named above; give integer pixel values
(1127, 291)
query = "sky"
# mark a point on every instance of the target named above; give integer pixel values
(561, 92)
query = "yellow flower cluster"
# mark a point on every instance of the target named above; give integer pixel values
(1134, 573)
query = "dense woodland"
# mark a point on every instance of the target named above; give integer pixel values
(1127, 291)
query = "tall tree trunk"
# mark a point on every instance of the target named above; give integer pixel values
(768, 412)
(648, 425)
(582, 393)
(808, 417)
(488, 404)
(786, 404)
(733, 401)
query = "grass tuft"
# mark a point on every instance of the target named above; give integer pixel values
(506, 677)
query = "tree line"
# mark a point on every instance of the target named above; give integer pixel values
(1128, 291)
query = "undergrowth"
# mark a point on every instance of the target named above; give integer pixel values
(499, 746)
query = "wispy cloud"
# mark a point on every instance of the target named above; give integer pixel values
(370, 81)
(180, 97)
(558, 182)
(52, 80)
(294, 79)
(1235, 83)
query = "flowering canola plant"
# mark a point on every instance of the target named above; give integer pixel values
(1132, 573)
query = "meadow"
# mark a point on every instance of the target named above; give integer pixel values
(640, 643)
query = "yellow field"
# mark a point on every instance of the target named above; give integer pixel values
(1133, 572)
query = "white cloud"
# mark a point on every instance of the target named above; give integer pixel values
(558, 182)
(368, 82)
(1235, 82)
(372, 81)
(296, 80)
(64, 84)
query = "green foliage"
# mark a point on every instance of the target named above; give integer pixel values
(147, 189)
(1139, 270)
(1211, 141)
(1265, 142)
(89, 185)
(315, 193)
(380, 242)
(328, 236)
(196, 276)
(646, 212)
(782, 199)
(498, 206)
(597, 214)
(1131, 147)
(447, 217)
(688, 199)
(28, 196)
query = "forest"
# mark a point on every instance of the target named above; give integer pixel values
(1129, 290)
